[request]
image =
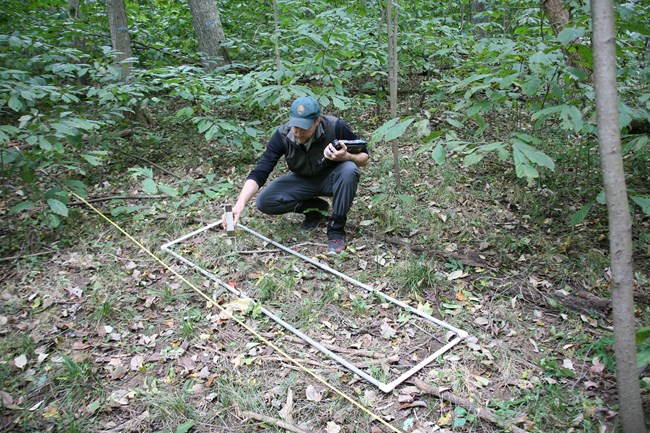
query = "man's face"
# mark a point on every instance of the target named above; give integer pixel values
(304, 135)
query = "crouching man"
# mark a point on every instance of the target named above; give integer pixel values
(316, 168)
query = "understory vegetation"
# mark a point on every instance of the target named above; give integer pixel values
(498, 226)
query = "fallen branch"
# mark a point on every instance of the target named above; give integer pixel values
(469, 261)
(130, 424)
(119, 197)
(334, 348)
(273, 421)
(24, 256)
(153, 164)
(482, 412)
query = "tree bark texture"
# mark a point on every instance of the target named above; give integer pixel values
(119, 34)
(276, 36)
(620, 232)
(209, 32)
(393, 67)
(559, 18)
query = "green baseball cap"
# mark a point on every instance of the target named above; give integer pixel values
(304, 111)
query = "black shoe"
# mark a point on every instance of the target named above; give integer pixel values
(315, 211)
(336, 245)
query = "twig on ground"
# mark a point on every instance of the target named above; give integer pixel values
(119, 197)
(481, 412)
(153, 164)
(131, 197)
(476, 262)
(334, 348)
(273, 421)
(131, 424)
(24, 256)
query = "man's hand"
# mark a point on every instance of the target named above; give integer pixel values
(330, 152)
(336, 155)
(236, 212)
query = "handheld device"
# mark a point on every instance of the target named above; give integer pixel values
(353, 146)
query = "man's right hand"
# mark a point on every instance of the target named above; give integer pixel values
(235, 217)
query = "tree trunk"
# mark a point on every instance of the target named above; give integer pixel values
(559, 18)
(119, 35)
(391, 25)
(620, 233)
(276, 37)
(209, 32)
(477, 7)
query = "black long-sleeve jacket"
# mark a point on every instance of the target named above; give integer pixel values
(300, 160)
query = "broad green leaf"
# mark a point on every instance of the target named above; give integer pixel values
(602, 197)
(149, 186)
(423, 128)
(21, 207)
(522, 165)
(15, 103)
(547, 111)
(204, 125)
(398, 130)
(439, 154)
(53, 221)
(642, 202)
(579, 216)
(380, 132)
(126, 209)
(338, 103)
(211, 194)
(642, 334)
(508, 81)
(44, 144)
(643, 357)
(531, 86)
(571, 118)
(469, 80)
(185, 427)
(58, 207)
(533, 155)
(168, 190)
(473, 158)
(570, 34)
(474, 109)
(92, 160)
(379, 198)
(406, 198)
(454, 122)
(214, 131)
(77, 186)
(185, 112)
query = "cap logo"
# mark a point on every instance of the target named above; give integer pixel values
(301, 109)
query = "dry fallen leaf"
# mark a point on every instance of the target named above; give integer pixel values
(568, 364)
(285, 412)
(386, 331)
(313, 394)
(137, 362)
(20, 361)
(7, 399)
(75, 291)
(455, 275)
(445, 420)
(333, 427)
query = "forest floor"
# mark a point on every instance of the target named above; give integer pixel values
(98, 336)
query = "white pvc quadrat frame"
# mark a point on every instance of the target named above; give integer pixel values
(385, 387)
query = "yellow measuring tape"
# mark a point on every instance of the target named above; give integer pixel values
(242, 324)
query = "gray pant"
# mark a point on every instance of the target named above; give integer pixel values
(286, 193)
